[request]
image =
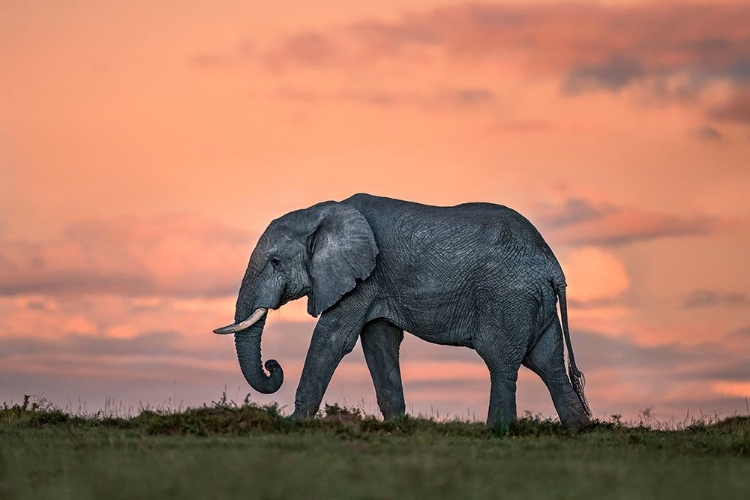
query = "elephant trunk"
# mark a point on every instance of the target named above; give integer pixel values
(247, 343)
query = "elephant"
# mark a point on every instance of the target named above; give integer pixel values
(476, 275)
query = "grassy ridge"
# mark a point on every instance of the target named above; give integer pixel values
(248, 451)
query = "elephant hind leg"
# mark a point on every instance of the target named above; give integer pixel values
(502, 408)
(503, 362)
(547, 360)
(381, 342)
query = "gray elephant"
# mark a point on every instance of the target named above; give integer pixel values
(475, 275)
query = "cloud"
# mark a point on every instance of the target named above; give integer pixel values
(711, 359)
(668, 52)
(709, 133)
(734, 389)
(171, 255)
(606, 45)
(612, 75)
(439, 98)
(310, 48)
(579, 222)
(736, 109)
(595, 273)
(456, 98)
(606, 302)
(145, 344)
(629, 226)
(671, 377)
(516, 126)
(573, 211)
(600, 351)
(709, 298)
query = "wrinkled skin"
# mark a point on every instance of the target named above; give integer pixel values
(475, 275)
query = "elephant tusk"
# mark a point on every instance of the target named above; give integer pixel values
(238, 327)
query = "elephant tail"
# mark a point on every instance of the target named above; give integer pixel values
(576, 375)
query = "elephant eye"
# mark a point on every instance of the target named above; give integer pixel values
(275, 262)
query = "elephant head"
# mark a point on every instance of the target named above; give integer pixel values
(320, 252)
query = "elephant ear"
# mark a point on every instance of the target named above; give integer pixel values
(342, 250)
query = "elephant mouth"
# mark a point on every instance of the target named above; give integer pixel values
(244, 324)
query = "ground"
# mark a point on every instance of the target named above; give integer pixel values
(246, 451)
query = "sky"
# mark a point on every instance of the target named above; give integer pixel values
(145, 146)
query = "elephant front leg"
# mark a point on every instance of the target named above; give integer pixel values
(380, 343)
(332, 339)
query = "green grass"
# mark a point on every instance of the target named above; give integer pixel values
(248, 451)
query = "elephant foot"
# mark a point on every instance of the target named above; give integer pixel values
(392, 410)
(577, 422)
(302, 413)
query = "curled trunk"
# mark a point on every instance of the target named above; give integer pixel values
(247, 343)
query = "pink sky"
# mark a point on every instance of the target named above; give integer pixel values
(144, 146)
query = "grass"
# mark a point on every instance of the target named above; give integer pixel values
(230, 450)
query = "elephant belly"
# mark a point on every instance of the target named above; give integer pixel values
(427, 321)
(436, 322)
(454, 338)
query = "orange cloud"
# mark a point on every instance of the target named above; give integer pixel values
(628, 226)
(593, 273)
(587, 46)
(672, 52)
(167, 255)
(709, 298)
(733, 389)
(737, 108)
(579, 222)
